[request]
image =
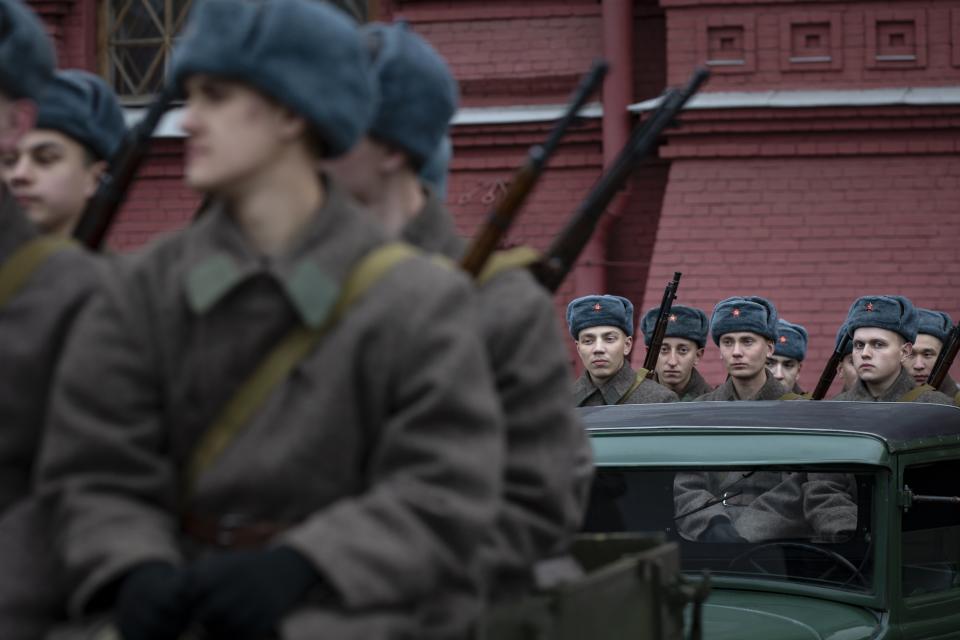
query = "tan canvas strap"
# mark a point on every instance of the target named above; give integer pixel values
(283, 358)
(517, 258)
(641, 376)
(25, 261)
(916, 392)
(793, 396)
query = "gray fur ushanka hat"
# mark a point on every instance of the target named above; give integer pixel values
(791, 341)
(689, 323)
(81, 105)
(893, 313)
(26, 52)
(744, 313)
(600, 311)
(304, 54)
(934, 323)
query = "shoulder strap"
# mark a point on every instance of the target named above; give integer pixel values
(793, 396)
(25, 261)
(516, 258)
(283, 358)
(916, 392)
(641, 376)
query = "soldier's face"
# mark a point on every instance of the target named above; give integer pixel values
(236, 136)
(847, 372)
(785, 370)
(878, 353)
(603, 350)
(678, 357)
(744, 354)
(920, 361)
(51, 176)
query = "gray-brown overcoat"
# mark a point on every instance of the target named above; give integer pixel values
(614, 390)
(696, 387)
(771, 390)
(382, 450)
(900, 387)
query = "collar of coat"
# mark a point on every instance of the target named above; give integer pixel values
(771, 390)
(15, 227)
(611, 391)
(433, 230)
(900, 386)
(696, 386)
(219, 259)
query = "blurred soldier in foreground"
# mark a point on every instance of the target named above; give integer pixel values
(602, 327)
(43, 284)
(745, 329)
(789, 350)
(682, 349)
(548, 458)
(933, 330)
(56, 166)
(207, 493)
(883, 329)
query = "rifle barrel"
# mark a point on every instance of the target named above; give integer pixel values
(830, 371)
(946, 358)
(660, 328)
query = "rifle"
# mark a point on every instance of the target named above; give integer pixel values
(559, 259)
(830, 371)
(945, 360)
(505, 212)
(104, 205)
(660, 328)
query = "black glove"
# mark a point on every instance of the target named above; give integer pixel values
(244, 594)
(152, 603)
(721, 529)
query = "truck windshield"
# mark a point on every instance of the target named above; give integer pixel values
(797, 524)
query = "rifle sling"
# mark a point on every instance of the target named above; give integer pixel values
(916, 392)
(641, 376)
(516, 258)
(24, 262)
(280, 361)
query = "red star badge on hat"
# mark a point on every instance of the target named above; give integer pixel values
(597, 307)
(673, 317)
(869, 306)
(783, 339)
(736, 313)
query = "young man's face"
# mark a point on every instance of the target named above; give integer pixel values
(235, 134)
(785, 370)
(51, 176)
(920, 361)
(744, 353)
(847, 372)
(678, 357)
(878, 353)
(603, 350)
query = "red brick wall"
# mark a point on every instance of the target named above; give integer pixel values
(812, 235)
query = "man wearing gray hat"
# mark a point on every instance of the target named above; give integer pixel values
(882, 330)
(547, 452)
(44, 283)
(602, 328)
(300, 437)
(682, 349)
(933, 330)
(56, 166)
(745, 329)
(789, 350)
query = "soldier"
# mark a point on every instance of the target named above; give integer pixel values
(548, 465)
(682, 349)
(845, 370)
(745, 329)
(602, 327)
(933, 330)
(43, 284)
(883, 329)
(56, 167)
(274, 421)
(789, 350)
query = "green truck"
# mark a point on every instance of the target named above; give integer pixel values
(832, 520)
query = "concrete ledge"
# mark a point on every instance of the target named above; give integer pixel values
(808, 99)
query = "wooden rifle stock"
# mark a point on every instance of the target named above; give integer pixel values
(660, 328)
(945, 360)
(830, 371)
(103, 206)
(566, 248)
(501, 217)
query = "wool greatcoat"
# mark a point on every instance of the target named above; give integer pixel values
(771, 390)
(34, 324)
(587, 394)
(382, 451)
(548, 456)
(696, 387)
(900, 387)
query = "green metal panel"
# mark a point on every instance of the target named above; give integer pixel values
(703, 448)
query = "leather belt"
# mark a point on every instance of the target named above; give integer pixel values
(230, 531)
